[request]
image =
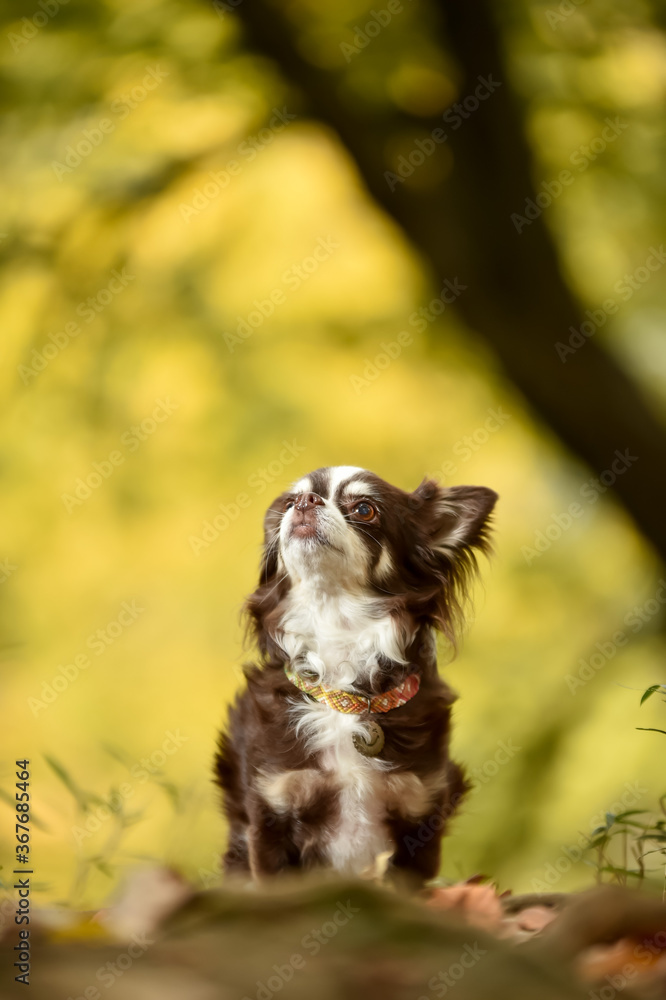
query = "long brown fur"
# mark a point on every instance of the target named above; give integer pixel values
(426, 590)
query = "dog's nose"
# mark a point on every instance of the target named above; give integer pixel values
(307, 500)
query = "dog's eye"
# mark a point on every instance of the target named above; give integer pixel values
(288, 504)
(364, 511)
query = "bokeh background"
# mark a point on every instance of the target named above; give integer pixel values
(168, 171)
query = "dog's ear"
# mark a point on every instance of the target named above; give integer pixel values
(455, 519)
(452, 525)
(261, 607)
(269, 557)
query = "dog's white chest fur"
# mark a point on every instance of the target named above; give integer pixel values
(359, 834)
(340, 638)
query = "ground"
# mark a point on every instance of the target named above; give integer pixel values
(330, 938)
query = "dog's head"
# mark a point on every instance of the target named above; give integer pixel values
(343, 528)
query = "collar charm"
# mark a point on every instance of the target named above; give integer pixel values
(351, 703)
(373, 746)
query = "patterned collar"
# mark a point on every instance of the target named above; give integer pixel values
(351, 703)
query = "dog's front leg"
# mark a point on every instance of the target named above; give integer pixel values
(270, 845)
(417, 850)
(418, 839)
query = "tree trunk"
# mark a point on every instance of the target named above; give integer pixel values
(516, 297)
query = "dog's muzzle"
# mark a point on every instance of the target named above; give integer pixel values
(304, 516)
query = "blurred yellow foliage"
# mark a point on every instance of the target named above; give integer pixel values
(154, 339)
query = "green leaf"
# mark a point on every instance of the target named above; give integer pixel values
(103, 867)
(82, 798)
(130, 819)
(11, 802)
(118, 754)
(614, 870)
(650, 691)
(170, 790)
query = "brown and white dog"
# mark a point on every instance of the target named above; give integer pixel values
(338, 750)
